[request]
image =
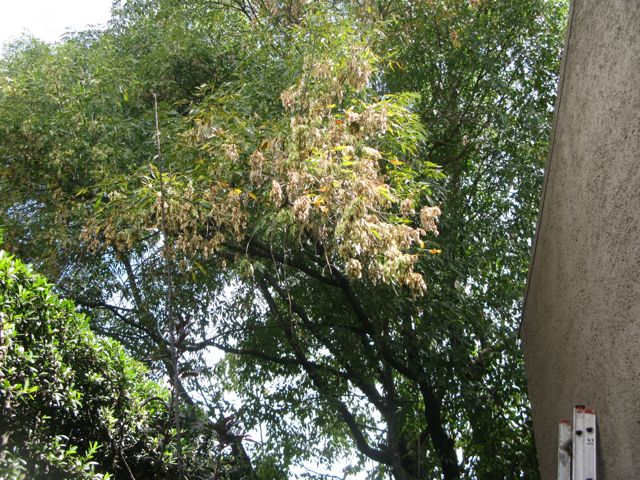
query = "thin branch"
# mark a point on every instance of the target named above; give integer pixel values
(349, 418)
(371, 330)
(256, 248)
(367, 387)
(117, 311)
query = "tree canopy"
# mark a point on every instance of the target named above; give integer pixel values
(338, 197)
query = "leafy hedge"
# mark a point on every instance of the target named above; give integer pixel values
(73, 405)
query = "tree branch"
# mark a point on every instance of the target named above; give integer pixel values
(320, 384)
(366, 386)
(371, 330)
(442, 443)
(120, 316)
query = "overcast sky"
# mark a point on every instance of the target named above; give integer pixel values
(49, 19)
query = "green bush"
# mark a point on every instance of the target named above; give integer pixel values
(73, 405)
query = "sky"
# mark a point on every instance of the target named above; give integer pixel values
(49, 19)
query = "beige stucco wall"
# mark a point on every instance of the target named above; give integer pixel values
(581, 326)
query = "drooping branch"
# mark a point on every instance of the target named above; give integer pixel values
(364, 384)
(123, 317)
(319, 382)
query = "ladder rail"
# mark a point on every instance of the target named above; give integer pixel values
(589, 467)
(577, 449)
(564, 450)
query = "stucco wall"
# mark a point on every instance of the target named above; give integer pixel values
(581, 326)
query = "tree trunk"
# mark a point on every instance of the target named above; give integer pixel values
(442, 443)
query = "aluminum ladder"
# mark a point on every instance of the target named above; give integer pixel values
(577, 446)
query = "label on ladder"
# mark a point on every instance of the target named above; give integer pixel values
(589, 466)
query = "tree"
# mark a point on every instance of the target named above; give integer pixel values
(302, 196)
(488, 94)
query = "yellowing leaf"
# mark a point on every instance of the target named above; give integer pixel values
(455, 41)
(319, 200)
(384, 191)
(253, 196)
(393, 65)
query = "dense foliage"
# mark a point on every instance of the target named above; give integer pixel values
(339, 196)
(77, 406)
(71, 402)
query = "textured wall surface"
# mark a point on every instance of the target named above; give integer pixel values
(581, 327)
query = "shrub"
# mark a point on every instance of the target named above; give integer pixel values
(73, 405)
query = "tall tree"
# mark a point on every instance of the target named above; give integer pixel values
(302, 199)
(486, 72)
